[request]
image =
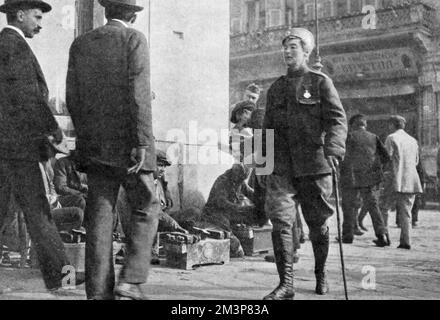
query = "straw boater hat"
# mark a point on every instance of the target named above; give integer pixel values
(128, 4)
(11, 5)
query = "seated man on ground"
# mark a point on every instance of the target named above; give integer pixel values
(70, 184)
(229, 205)
(166, 222)
(67, 219)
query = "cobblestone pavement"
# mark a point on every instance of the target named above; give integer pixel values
(387, 273)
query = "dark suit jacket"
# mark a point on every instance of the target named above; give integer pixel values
(108, 95)
(25, 116)
(67, 179)
(366, 155)
(309, 123)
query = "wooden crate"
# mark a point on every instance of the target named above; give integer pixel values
(254, 240)
(188, 256)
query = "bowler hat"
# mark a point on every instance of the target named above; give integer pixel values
(128, 4)
(11, 5)
(244, 105)
(304, 35)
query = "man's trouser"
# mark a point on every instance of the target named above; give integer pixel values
(351, 203)
(403, 202)
(24, 179)
(77, 201)
(418, 203)
(370, 199)
(68, 219)
(313, 194)
(104, 184)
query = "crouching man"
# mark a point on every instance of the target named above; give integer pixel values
(228, 205)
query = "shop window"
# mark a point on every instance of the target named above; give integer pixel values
(355, 6)
(325, 9)
(236, 25)
(262, 14)
(274, 18)
(291, 12)
(430, 118)
(251, 19)
(341, 7)
(309, 11)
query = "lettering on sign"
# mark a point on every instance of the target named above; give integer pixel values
(381, 64)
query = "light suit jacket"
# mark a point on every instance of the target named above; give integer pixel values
(404, 152)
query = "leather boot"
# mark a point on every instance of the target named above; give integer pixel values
(283, 250)
(320, 244)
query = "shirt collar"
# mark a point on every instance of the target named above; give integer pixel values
(120, 21)
(16, 29)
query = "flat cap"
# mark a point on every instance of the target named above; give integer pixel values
(162, 158)
(397, 118)
(304, 35)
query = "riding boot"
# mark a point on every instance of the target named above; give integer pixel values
(283, 250)
(320, 244)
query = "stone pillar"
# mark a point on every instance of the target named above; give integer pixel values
(90, 16)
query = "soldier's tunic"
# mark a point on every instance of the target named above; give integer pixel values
(309, 123)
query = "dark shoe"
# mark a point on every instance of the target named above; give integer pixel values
(404, 246)
(322, 287)
(358, 232)
(128, 291)
(281, 292)
(381, 241)
(414, 224)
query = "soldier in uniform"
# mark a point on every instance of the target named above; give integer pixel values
(310, 130)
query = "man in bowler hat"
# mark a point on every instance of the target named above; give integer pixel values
(109, 99)
(26, 128)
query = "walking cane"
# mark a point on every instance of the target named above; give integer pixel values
(338, 216)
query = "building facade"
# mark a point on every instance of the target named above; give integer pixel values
(381, 54)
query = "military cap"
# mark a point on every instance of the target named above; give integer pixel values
(307, 38)
(253, 88)
(244, 105)
(162, 158)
